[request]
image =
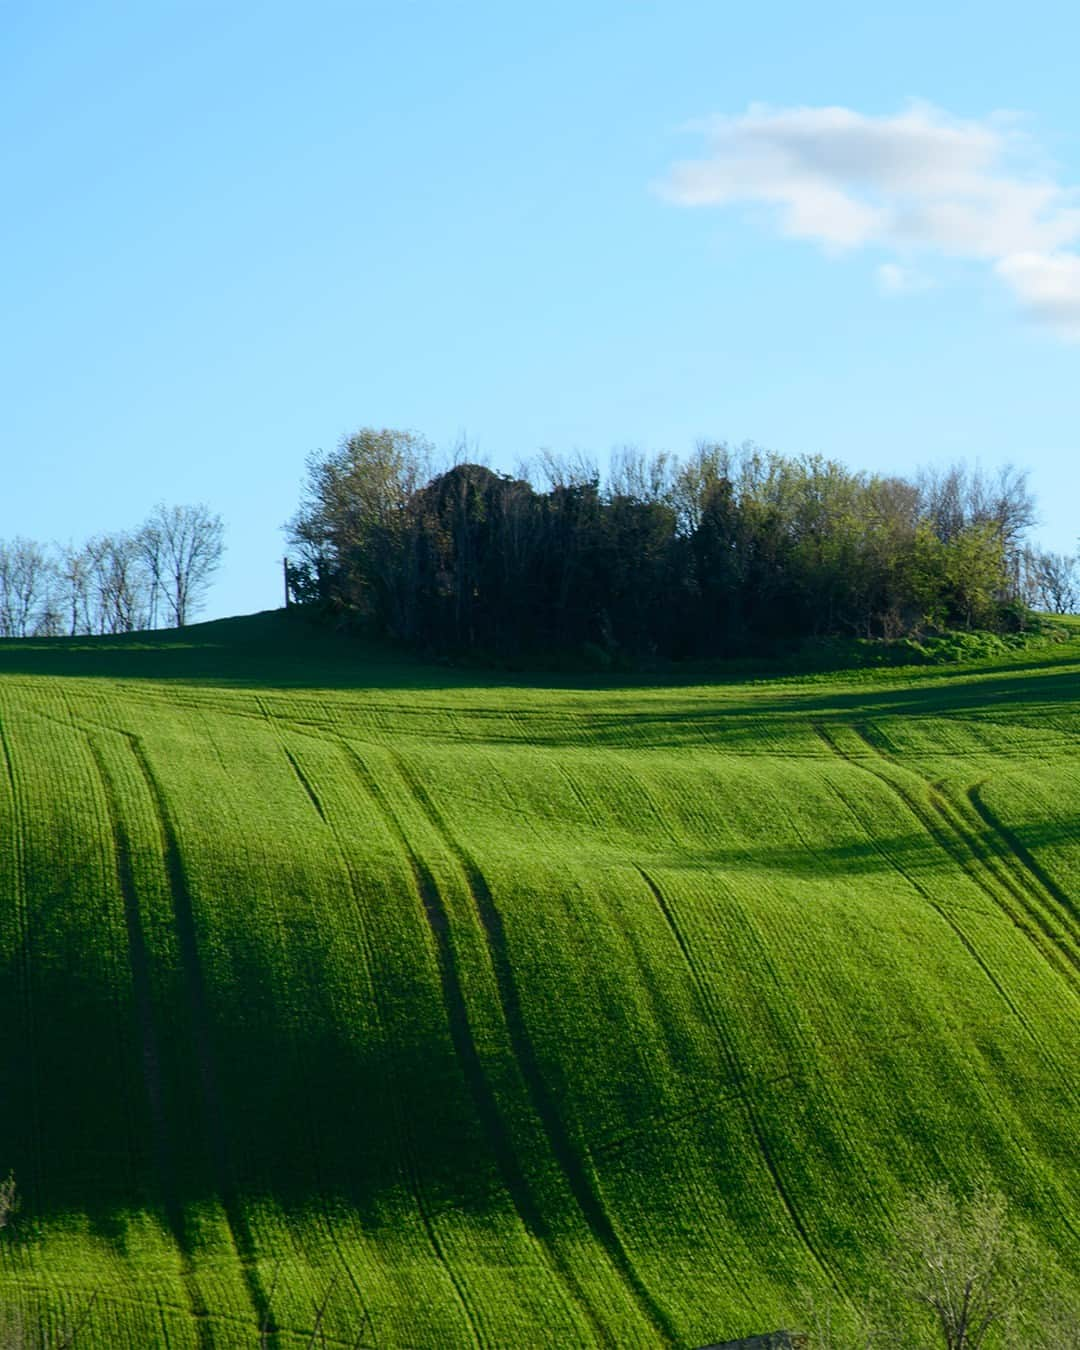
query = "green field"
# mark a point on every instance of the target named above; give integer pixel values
(480, 1011)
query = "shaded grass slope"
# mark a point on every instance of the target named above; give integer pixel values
(341, 992)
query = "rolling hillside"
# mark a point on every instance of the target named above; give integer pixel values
(487, 1013)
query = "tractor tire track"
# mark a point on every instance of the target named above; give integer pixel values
(404, 1130)
(323, 1212)
(714, 1106)
(910, 801)
(401, 1120)
(576, 792)
(737, 1079)
(895, 864)
(465, 1049)
(993, 874)
(139, 963)
(913, 808)
(812, 1043)
(513, 1179)
(582, 1185)
(24, 959)
(1024, 862)
(198, 1006)
(957, 838)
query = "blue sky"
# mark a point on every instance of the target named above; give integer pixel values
(232, 233)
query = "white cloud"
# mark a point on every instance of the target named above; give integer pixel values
(1048, 285)
(918, 181)
(892, 279)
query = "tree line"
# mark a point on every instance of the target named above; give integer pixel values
(729, 551)
(155, 575)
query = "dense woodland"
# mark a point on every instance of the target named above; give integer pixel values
(730, 551)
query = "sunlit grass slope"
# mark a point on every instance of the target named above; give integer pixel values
(476, 1013)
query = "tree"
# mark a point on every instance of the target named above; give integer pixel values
(737, 550)
(1057, 582)
(117, 586)
(971, 1272)
(111, 583)
(150, 545)
(965, 1263)
(352, 532)
(25, 576)
(976, 576)
(956, 500)
(74, 569)
(182, 547)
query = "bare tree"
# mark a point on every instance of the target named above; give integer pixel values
(712, 464)
(150, 544)
(971, 1269)
(942, 493)
(111, 583)
(1057, 582)
(7, 591)
(642, 477)
(965, 1262)
(25, 575)
(556, 471)
(185, 544)
(72, 600)
(957, 499)
(118, 584)
(1007, 501)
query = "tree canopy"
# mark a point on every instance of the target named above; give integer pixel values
(729, 551)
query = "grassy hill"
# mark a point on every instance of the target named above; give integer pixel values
(488, 1013)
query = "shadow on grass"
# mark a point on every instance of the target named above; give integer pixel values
(310, 1106)
(882, 854)
(306, 1108)
(273, 649)
(285, 649)
(180, 1054)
